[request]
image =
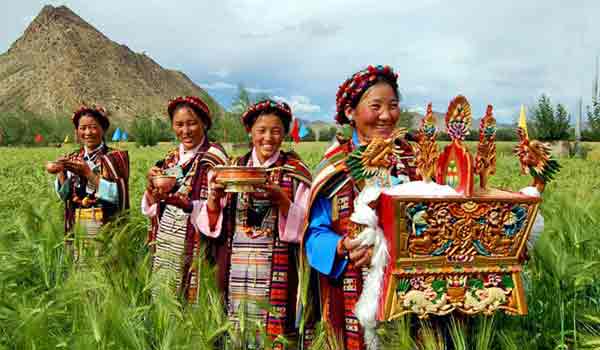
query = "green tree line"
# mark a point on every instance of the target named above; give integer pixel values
(20, 127)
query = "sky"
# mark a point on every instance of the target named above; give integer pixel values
(504, 53)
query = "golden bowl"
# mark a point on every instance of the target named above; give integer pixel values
(240, 178)
(164, 183)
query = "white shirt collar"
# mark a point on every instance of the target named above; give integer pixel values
(186, 155)
(87, 153)
(268, 162)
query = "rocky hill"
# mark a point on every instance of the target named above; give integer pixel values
(61, 61)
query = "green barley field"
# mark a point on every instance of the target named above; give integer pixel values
(47, 303)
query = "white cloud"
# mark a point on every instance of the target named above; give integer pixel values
(221, 73)
(257, 90)
(219, 85)
(417, 109)
(300, 105)
(503, 53)
(222, 85)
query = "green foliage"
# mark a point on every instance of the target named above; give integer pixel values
(228, 128)
(406, 119)
(47, 303)
(327, 134)
(506, 134)
(242, 100)
(148, 130)
(550, 124)
(20, 128)
(593, 115)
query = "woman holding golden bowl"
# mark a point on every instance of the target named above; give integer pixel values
(177, 189)
(92, 181)
(369, 102)
(263, 227)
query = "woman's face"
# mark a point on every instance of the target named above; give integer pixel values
(376, 114)
(267, 133)
(89, 132)
(188, 127)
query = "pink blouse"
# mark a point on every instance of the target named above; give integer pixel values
(289, 225)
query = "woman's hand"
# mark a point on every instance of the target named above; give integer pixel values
(216, 192)
(154, 195)
(357, 254)
(78, 167)
(82, 169)
(54, 167)
(154, 171)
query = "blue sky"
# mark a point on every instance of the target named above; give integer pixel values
(505, 52)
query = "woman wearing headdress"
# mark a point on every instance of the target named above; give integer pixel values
(174, 236)
(92, 181)
(262, 229)
(369, 102)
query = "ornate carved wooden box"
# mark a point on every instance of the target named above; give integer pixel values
(455, 253)
(462, 251)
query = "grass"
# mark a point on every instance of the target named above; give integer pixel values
(48, 303)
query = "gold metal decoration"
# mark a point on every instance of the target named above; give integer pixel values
(485, 160)
(240, 178)
(535, 159)
(373, 160)
(462, 252)
(426, 150)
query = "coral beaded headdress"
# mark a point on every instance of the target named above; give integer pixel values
(195, 103)
(282, 110)
(96, 111)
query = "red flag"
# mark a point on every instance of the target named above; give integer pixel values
(38, 138)
(295, 131)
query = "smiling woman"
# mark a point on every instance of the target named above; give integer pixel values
(369, 102)
(263, 227)
(177, 188)
(93, 181)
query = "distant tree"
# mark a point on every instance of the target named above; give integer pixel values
(327, 134)
(406, 119)
(148, 130)
(261, 96)
(310, 136)
(228, 128)
(241, 101)
(506, 134)
(473, 135)
(593, 116)
(550, 124)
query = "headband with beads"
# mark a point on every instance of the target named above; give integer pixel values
(97, 111)
(254, 110)
(196, 103)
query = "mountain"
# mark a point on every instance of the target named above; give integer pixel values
(416, 119)
(61, 61)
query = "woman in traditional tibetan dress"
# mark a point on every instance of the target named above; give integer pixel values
(92, 181)
(369, 102)
(174, 236)
(261, 230)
